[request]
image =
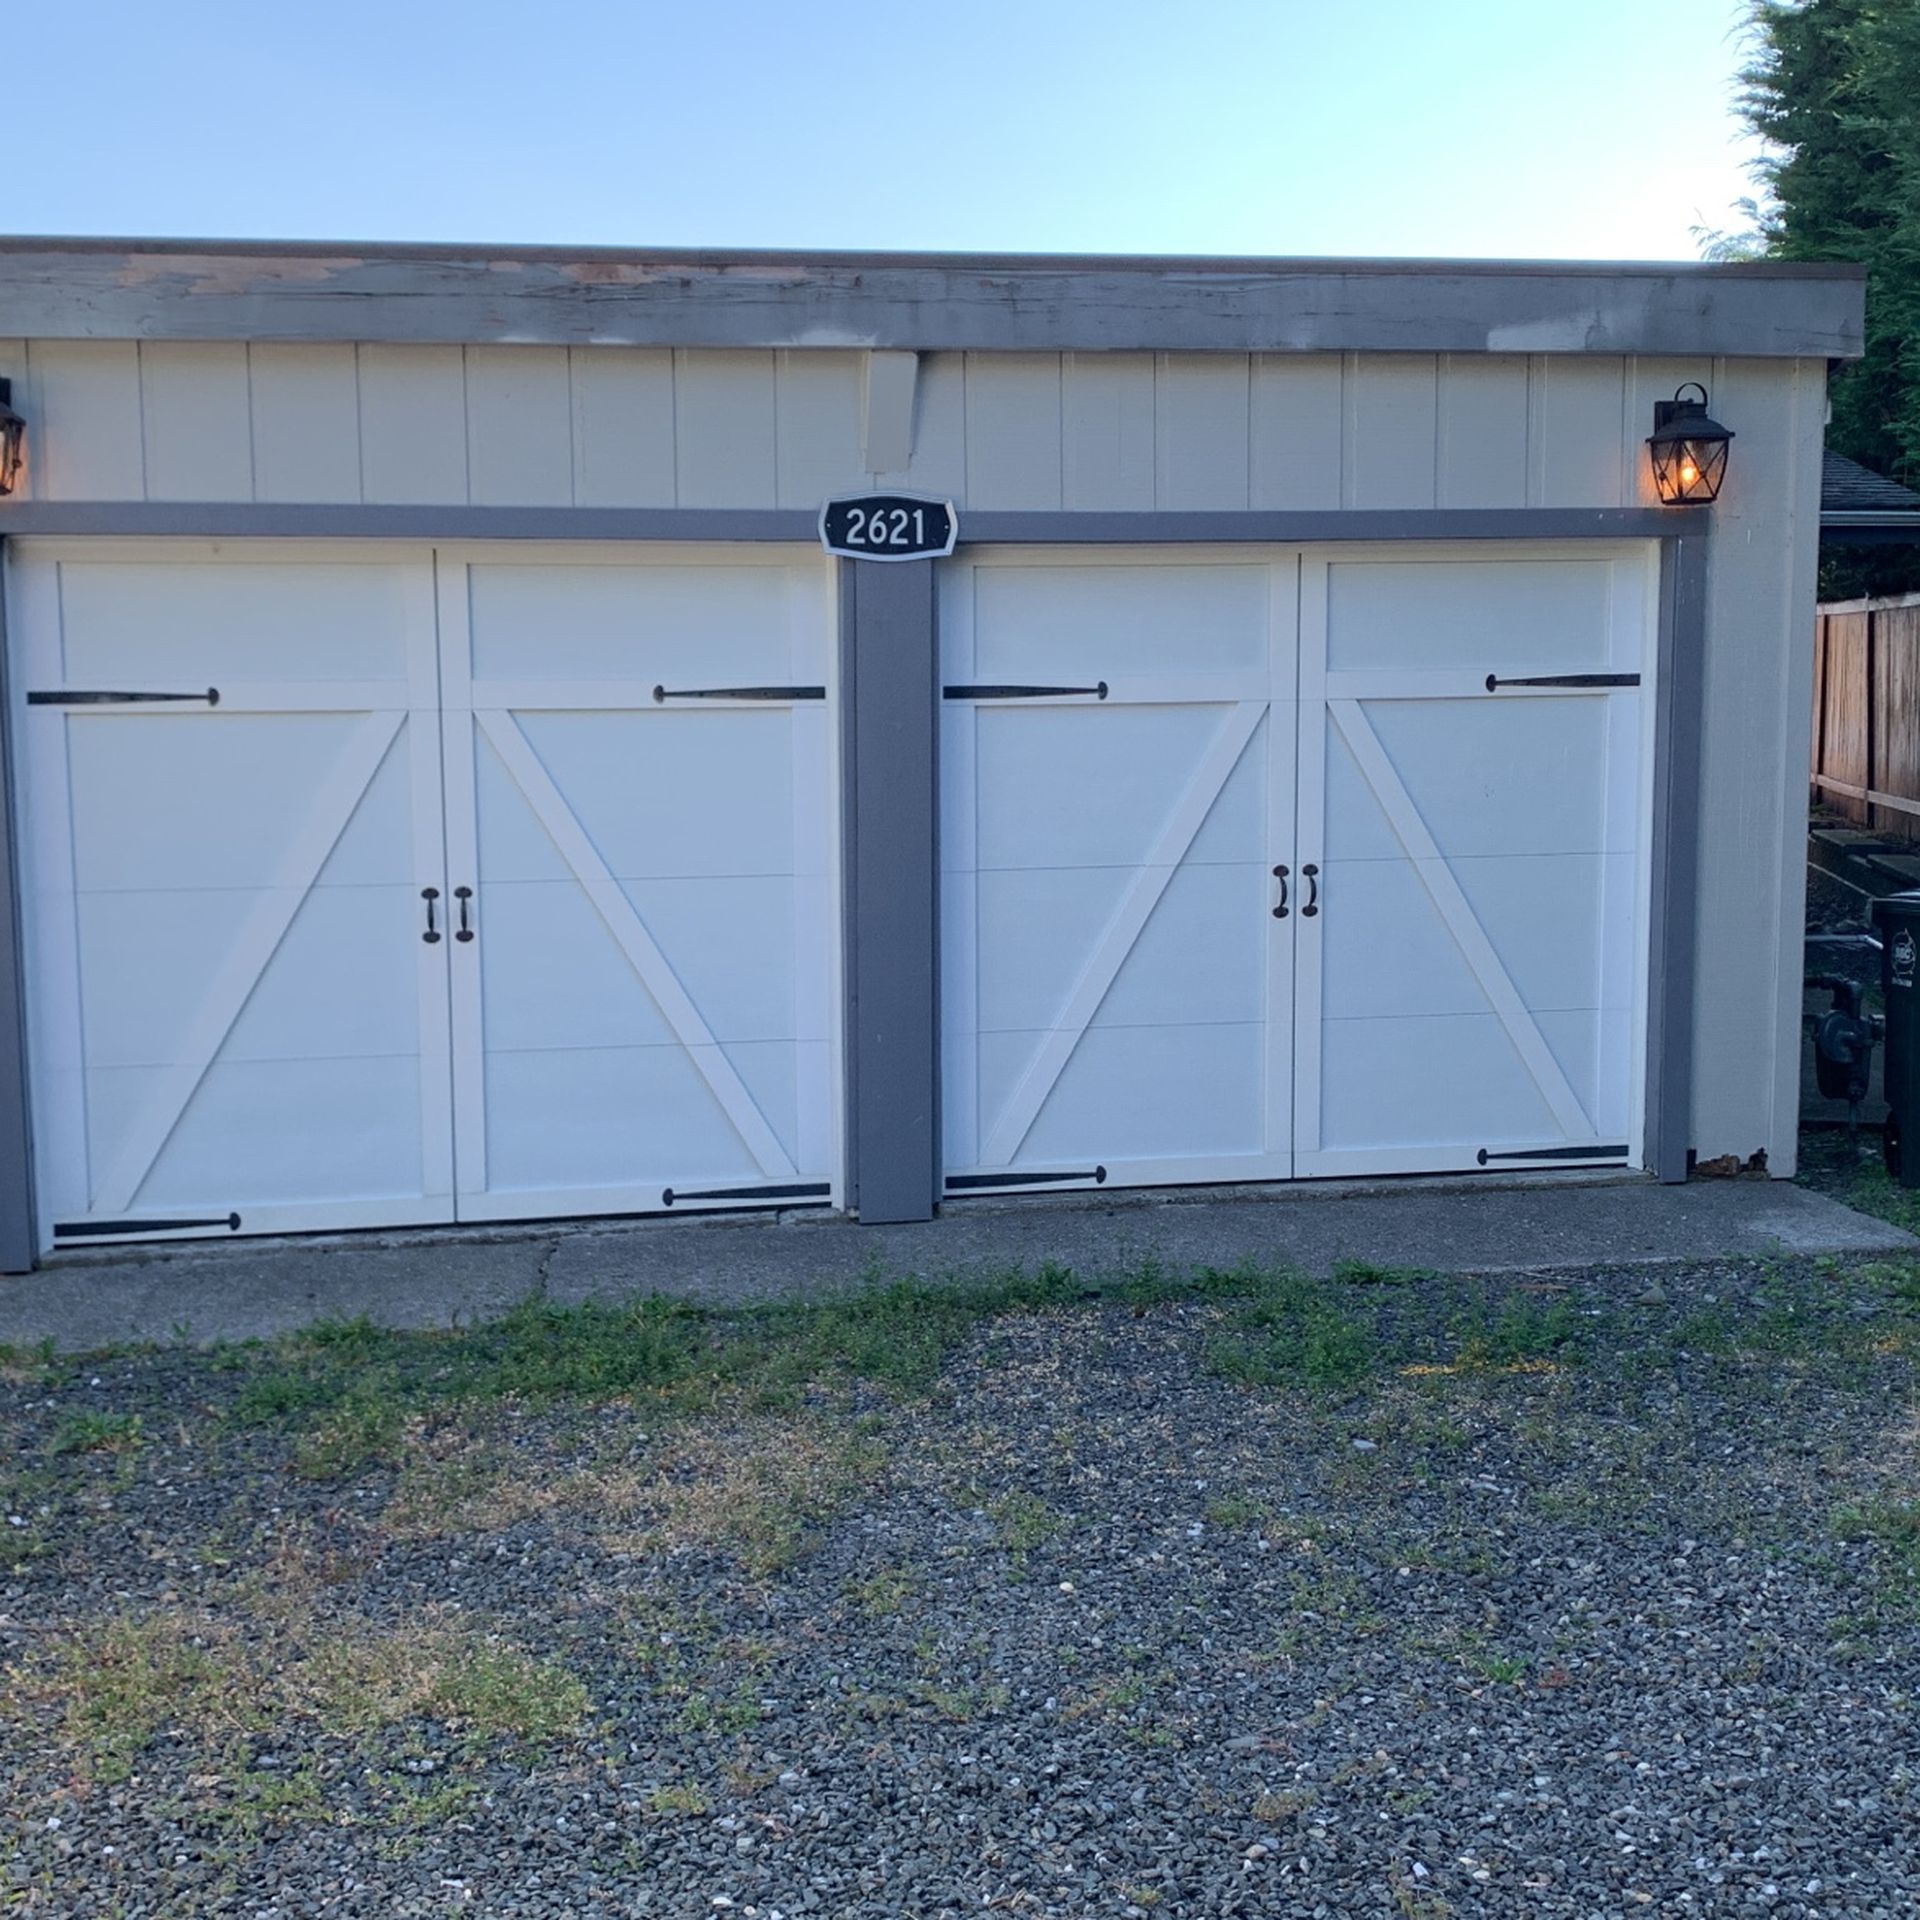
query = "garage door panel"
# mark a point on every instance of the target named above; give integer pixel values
(695, 794)
(270, 1133)
(231, 1009)
(1520, 775)
(159, 795)
(605, 1117)
(731, 942)
(1561, 925)
(1192, 963)
(150, 955)
(1470, 984)
(705, 625)
(307, 1005)
(1490, 616)
(1147, 1094)
(1418, 1081)
(1104, 622)
(124, 621)
(650, 883)
(1081, 786)
(1107, 865)
(554, 977)
(1037, 925)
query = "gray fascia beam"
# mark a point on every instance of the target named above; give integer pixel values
(213, 290)
(219, 520)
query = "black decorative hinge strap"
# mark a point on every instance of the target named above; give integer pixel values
(106, 697)
(739, 693)
(813, 1190)
(1557, 1153)
(963, 1182)
(93, 1229)
(1494, 682)
(1098, 692)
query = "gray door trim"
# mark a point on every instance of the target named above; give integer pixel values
(233, 520)
(19, 1237)
(1679, 716)
(890, 819)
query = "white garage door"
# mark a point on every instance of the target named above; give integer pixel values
(1266, 864)
(1117, 761)
(352, 909)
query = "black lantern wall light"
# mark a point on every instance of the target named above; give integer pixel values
(13, 435)
(1688, 448)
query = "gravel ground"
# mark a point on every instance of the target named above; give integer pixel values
(1583, 1596)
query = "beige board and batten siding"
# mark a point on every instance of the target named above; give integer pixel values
(661, 427)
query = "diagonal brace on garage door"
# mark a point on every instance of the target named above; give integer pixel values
(1451, 903)
(1129, 920)
(610, 901)
(327, 815)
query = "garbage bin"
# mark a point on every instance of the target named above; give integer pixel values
(1897, 920)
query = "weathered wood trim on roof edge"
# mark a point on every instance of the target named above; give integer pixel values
(214, 290)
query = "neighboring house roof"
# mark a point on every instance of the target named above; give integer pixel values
(1859, 507)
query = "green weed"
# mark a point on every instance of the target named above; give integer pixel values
(98, 1433)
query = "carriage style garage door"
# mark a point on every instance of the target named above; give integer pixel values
(376, 887)
(1273, 863)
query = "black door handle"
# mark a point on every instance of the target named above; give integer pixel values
(463, 895)
(1280, 874)
(1313, 893)
(430, 895)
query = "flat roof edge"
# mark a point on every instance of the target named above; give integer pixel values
(310, 291)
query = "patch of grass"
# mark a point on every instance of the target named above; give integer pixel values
(113, 1685)
(362, 1431)
(120, 1684)
(348, 1387)
(1296, 1332)
(1502, 1669)
(752, 1490)
(1025, 1520)
(1855, 1171)
(1238, 1510)
(40, 1365)
(681, 1797)
(882, 1593)
(1364, 1273)
(263, 1799)
(98, 1433)
(1895, 1525)
(1519, 1330)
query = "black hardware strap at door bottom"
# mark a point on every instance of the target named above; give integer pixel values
(94, 1229)
(966, 1182)
(1556, 1153)
(739, 693)
(1495, 683)
(1021, 693)
(814, 1191)
(87, 697)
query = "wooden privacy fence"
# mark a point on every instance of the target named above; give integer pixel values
(1866, 712)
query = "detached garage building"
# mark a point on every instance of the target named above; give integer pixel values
(449, 781)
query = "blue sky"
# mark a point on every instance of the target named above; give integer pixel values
(1599, 128)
